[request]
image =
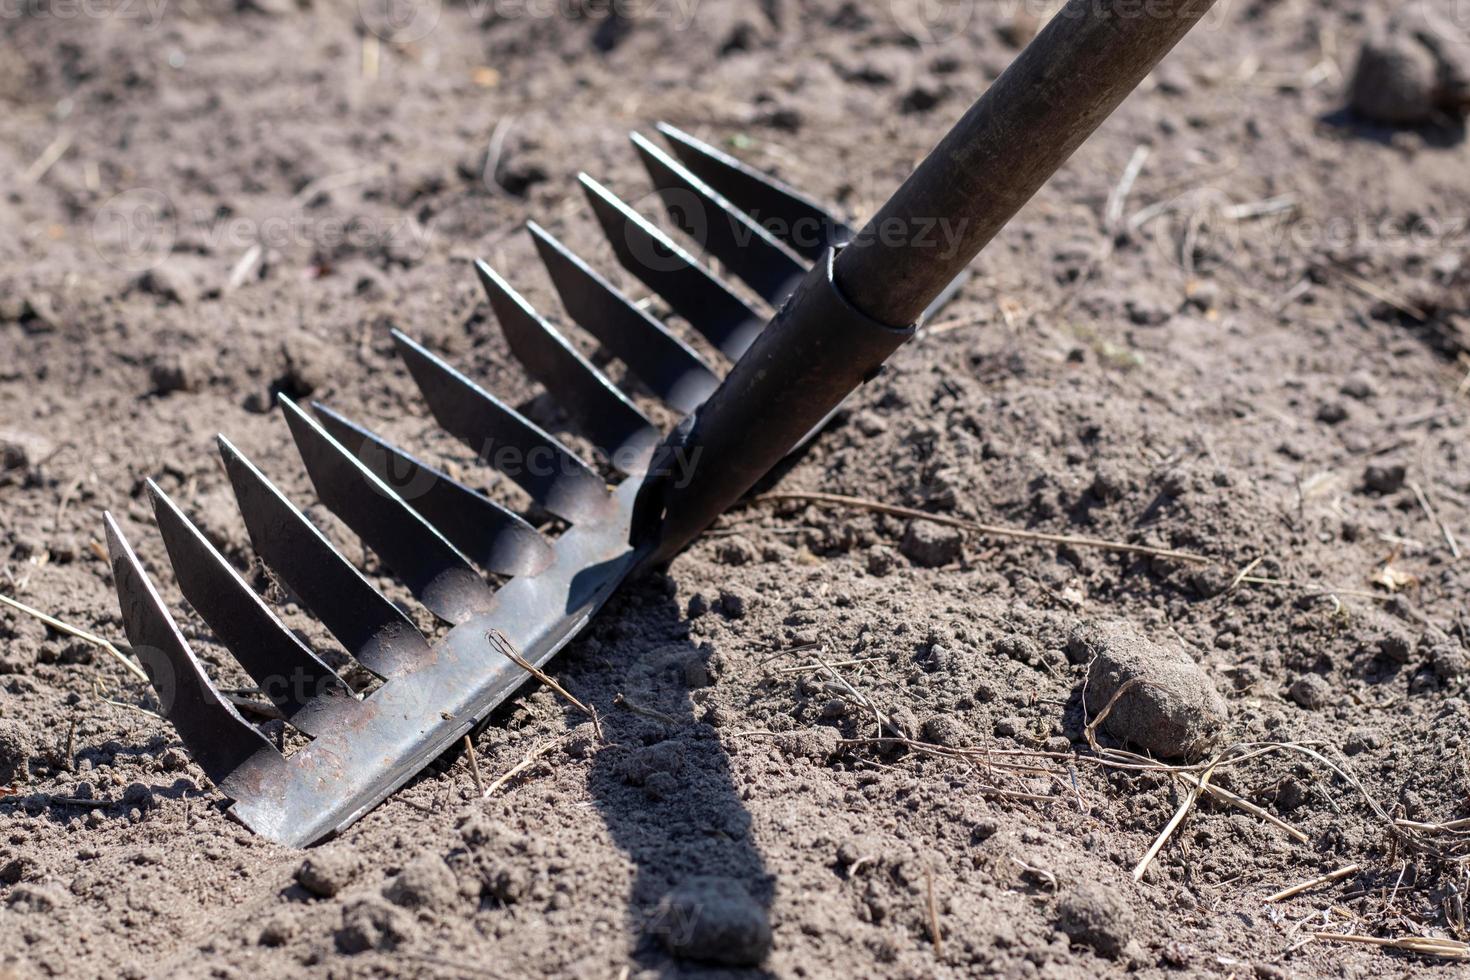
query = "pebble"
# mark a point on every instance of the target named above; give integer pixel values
(1360, 386)
(327, 871)
(1093, 915)
(715, 920)
(931, 545)
(1173, 711)
(16, 748)
(1394, 81)
(1385, 478)
(1311, 691)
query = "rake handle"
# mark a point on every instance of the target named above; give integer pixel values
(1070, 78)
(850, 314)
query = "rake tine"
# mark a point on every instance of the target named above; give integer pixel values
(796, 219)
(368, 626)
(494, 538)
(664, 267)
(740, 243)
(432, 568)
(220, 740)
(285, 669)
(505, 439)
(668, 366)
(614, 423)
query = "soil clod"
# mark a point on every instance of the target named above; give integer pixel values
(715, 920)
(1170, 707)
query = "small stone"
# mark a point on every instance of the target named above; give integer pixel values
(16, 748)
(1170, 707)
(1332, 413)
(714, 920)
(736, 551)
(167, 284)
(1093, 915)
(732, 604)
(1394, 81)
(931, 545)
(175, 372)
(881, 561)
(424, 882)
(327, 871)
(140, 796)
(1010, 726)
(1311, 691)
(1448, 662)
(1385, 478)
(1395, 646)
(1360, 386)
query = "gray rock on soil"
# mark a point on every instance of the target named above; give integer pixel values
(327, 871)
(931, 545)
(1093, 915)
(1394, 81)
(1311, 691)
(1170, 709)
(16, 748)
(1412, 73)
(715, 920)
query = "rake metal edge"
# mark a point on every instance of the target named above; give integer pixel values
(837, 321)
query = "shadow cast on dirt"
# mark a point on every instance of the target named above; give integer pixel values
(662, 783)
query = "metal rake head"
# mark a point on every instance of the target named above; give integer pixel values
(441, 537)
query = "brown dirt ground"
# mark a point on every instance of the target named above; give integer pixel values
(1210, 381)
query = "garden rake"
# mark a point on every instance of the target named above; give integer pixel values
(846, 299)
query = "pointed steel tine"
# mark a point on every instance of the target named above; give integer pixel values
(664, 267)
(221, 741)
(668, 366)
(368, 626)
(492, 537)
(613, 422)
(287, 671)
(722, 229)
(803, 224)
(432, 568)
(505, 439)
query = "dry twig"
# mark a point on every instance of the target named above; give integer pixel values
(502, 643)
(993, 530)
(77, 632)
